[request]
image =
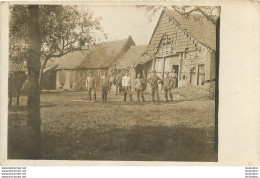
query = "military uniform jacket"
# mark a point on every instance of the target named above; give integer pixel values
(154, 81)
(139, 83)
(91, 82)
(105, 81)
(168, 82)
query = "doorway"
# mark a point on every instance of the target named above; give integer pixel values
(201, 74)
(176, 69)
(193, 76)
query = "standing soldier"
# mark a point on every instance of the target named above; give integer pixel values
(104, 85)
(139, 86)
(112, 79)
(118, 83)
(126, 83)
(154, 81)
(175, 78)
(91, 86)
(168, 83)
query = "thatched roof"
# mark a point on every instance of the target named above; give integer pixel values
(107, 53)
(132, 57)
(101, 56)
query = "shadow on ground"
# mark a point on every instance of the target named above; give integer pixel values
(134, 144)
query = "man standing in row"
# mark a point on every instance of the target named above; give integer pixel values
(91, 86)
(168, 83)
(154, 81)
(112, 79)
(126, 83)
(104, 85)
(139, 86)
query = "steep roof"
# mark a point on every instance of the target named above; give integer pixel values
(131, 57)
(106, 53)
(101, 56)
(201, 30)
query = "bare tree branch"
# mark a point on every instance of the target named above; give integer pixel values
(198, 9)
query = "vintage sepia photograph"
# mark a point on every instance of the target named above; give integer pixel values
(113, 82)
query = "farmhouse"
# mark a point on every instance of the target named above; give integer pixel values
(186, 45)
(131, 59)
(70, 71)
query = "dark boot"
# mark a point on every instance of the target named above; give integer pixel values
(124, 97)
(95, 97)
(89, 97)
(171, 97)
(103, 97)
(166, 97)
(106, 97)
(143, 98)
(131, 99)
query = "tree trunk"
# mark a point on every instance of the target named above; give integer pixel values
(33, 114)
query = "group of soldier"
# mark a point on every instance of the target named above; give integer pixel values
(124, 84)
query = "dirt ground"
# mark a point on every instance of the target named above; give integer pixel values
(75, 129)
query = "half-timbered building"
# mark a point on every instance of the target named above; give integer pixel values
(186, 45)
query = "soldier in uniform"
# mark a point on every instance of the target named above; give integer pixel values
(154, 80)
(168, 83)
(126, 83)
(112, 79)
(91, 86)
(104, 84)
(118, 83)
(175, 78)
(139, 86)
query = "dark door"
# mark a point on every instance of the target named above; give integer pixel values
(193, 76)
(176, 69)
(201, 74)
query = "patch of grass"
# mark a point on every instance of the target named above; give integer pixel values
(75, 130)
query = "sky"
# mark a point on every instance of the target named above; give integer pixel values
(119, 22)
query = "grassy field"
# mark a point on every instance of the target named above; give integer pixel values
(75, 129)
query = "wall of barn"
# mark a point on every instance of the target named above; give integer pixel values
(76, 79)
(49, 80)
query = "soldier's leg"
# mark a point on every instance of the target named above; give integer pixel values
(106, 91)
(110, 86)
(117, 89)
(120, 88)
(142, 95)
(153, 92)
(166, 94)
(103, 94)
(170, 93)
(130, 93)
(89, 93)
(138, 95)
(157, 94)
(18, 97)
(95, 95)
(125, 93)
